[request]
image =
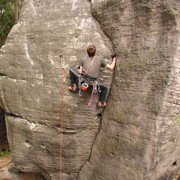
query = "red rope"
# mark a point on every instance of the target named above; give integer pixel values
(61, 121)
(91, 98)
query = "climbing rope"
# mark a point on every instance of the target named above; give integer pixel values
(61, 117)
(91, 97)
(95, 89)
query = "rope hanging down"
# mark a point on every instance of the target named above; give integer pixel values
(61, 117)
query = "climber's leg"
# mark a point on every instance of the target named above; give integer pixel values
(102, 96)
(74, 75)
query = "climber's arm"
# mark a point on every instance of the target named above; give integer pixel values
(80, 69)
(112, 65)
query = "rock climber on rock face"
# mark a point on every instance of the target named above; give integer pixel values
(89, 69)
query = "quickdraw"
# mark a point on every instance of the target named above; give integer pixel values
(96, 88)
(79, 86)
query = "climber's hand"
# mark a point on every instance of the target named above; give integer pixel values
(113, 55)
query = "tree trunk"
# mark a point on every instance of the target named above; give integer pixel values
(16, 13)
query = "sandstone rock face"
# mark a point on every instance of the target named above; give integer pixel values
(33, 83)
(137, 136)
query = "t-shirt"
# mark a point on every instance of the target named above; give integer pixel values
(93, 66)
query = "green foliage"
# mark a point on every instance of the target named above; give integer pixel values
(3, 153)
(178, 119)
(6, 18)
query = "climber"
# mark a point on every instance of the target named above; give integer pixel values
(89, 69)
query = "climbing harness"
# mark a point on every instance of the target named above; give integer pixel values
(83, 85)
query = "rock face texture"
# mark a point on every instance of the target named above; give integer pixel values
(139, 138)
(33, 86)
(138, 135)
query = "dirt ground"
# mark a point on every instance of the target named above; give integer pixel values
(8, 172)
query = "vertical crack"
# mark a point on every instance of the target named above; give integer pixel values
(100, 113)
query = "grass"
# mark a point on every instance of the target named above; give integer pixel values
(3, 153)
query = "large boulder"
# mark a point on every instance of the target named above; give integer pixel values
(140, 134)
(137, 135)
(50, 37)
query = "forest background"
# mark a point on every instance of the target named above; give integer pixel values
(9, 14)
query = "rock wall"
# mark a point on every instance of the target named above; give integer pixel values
(49, 36)
(137, 136)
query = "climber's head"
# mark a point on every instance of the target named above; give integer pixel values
(91, 50)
